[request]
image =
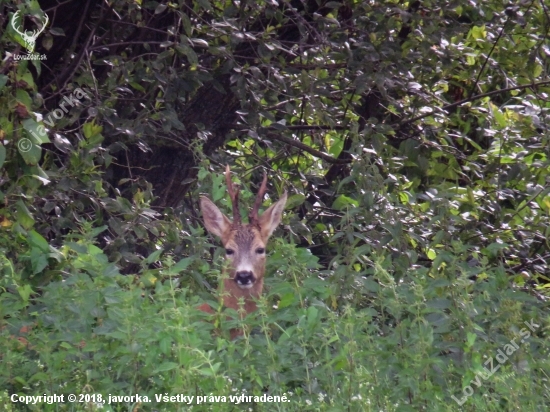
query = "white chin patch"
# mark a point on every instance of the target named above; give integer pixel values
(247, 286)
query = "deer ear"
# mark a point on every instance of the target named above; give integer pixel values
(271, 218)
(214, 220)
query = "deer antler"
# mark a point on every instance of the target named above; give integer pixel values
(234, 195)
(13, 19)
(30, 39)
(45, 23)
(253, 217)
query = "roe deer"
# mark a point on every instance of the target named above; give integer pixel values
(245, 246)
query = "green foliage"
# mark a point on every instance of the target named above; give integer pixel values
(419, 342)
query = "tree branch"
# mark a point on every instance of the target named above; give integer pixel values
(471, 99)
(302, 146)
(305, 127)
(306, 148)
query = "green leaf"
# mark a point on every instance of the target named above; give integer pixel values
(56, 31)
(137, 86)
(186, 23)
(294, 201)
(166, 366)
(38, 260)
(77, 247)
(189, 52)
(498, 115)
(25, 292)
(96, 231)
(181, 265)
(343, 202)
(24, 217)
(29, 150)
(305, 257)
(94, 250)
(23, 97)
(287, 300)
(312, 315)
(160, 8)
(205, 4)
(91, 129)
(36, 239)
(36, 130)
(471, 338)
(153, 257)
(495, 248)
(439, 303)
(165, 344)
(207, 372)
(336, 147)
(218, 189)
(2, 155)
(370, 285)
(26, 78)
(3, 81)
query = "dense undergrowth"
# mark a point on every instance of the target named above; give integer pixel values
(419, 344)
(410, 271)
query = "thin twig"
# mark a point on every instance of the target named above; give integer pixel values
(471, 99)
(307, 148)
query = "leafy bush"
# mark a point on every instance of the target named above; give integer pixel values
(411, 270)
(419, 341)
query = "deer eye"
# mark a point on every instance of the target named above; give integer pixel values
(229, 252)
(260, 251)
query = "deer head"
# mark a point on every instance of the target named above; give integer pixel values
(29, 37)
(245, 244)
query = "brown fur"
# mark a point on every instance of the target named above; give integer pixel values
(245, 241)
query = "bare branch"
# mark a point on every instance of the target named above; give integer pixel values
(308, 149)
(471, 99)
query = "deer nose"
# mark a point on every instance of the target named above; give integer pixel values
(244, 279)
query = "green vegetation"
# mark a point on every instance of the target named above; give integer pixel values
(410, 271)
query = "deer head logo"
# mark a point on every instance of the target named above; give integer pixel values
(29, 37)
